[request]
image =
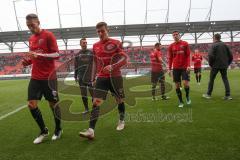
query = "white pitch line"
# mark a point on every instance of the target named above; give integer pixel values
(13, 112)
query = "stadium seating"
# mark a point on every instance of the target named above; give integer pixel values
(10, 63)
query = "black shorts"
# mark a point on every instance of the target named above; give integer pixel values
(46, 88)
(157, 77)
(197, 70)
(181, 74)
(103, 85)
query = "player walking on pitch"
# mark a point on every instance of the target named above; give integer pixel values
(110, 58)
(42, 54)
(83, 72)
(179, 66)
(197, 63)
(157, 74)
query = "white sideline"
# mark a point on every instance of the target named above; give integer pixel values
(13, 112)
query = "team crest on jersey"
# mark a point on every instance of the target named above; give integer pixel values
(40, 41)
(110, 47)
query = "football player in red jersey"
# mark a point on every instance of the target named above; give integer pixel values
(42, 54)
(157, 73)
(179, 65)
(197, 62)
(109, 58)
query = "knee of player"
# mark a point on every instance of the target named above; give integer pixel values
(52, 103)
(97, 102)
(32, 104)
(178, 85)
(186, 84)
(119, 100)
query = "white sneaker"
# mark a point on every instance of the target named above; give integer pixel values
(165, 98)
(57, 135)
(120, 126)
(89, 133)
(180, 105)
(227, 98)
(188, 101)
(206, 96)
(41, 137)
(154, 99)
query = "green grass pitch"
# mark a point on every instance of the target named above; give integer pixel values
(205, 130)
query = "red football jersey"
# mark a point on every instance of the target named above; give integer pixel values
(197, 60)
(45, 42)
(108, 53)
(179, 55)
(155, 63)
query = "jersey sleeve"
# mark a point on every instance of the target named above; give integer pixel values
(188, 54)
(52, 43)
(170, 57)
(119, 59)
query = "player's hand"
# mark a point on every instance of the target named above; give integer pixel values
(107, 69)
(32, 54)
(25, 62)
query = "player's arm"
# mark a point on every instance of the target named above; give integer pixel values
(211, 55)
(94, 69)
(76, 68)
(121, 57)
(121, 62)
(53, 49)
(193, 58)
(170, 60)
(26, 62)
(188, 53)
(230, 56)
(159, 58)
(170, 57)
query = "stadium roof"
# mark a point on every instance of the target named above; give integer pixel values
(72, 19)
(130, 30)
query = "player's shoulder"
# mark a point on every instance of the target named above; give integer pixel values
(184, 42)
(171, 44)
(45, 31)
(96, 44)
(48, 33)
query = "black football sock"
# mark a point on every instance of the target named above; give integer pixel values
(200, 76)
(179, 94)
(94, 116)
(121, 111)
(196, 78)
(187, 89)
(37, 115)
(162, 86)
(57, 117)
(153, 90)
(85, 103)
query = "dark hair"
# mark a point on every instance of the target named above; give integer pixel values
(31, 16)
(217, 36)
(175, 31)
(101, 24)
(83, 39)
(157, 44)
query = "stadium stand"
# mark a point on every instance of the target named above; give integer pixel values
(139, 57)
